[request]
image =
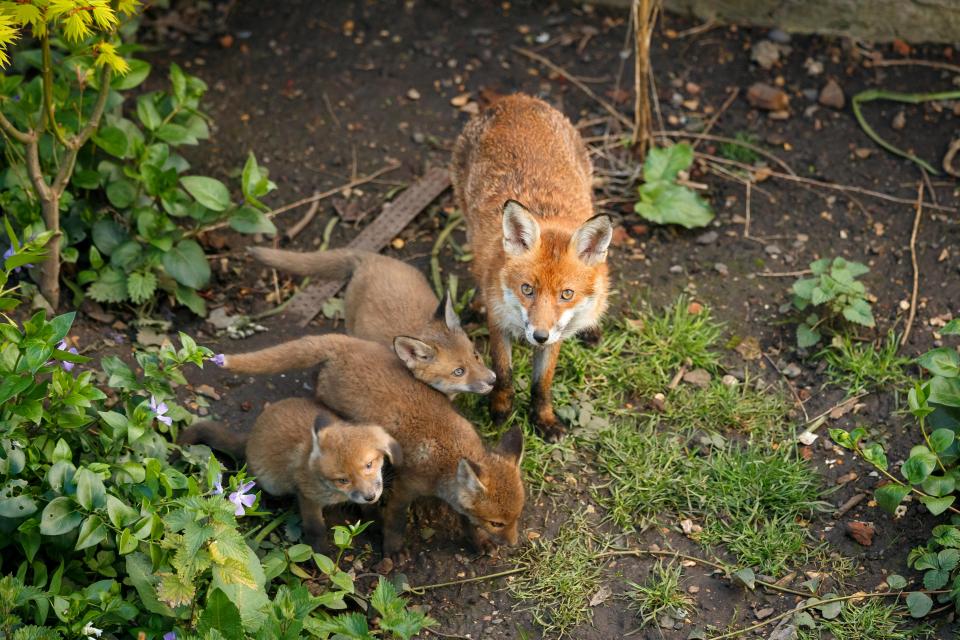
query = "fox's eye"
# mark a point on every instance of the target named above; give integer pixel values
(526, 289)
(343, 481)
(369, 465)
(495, 525)
(566, 294)
(458, 372)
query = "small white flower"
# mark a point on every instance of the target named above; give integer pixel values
(91, 631)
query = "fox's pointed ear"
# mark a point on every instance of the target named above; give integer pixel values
(468, 477)
(390, 448)
(413, 351)
(447, 313)
(511, 444)
(592, 239)
(521, 232)
(321, 422)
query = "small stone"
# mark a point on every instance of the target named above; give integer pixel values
(899, 120)
(810, 94)
(676, 268)
(792, 370)
(779, 36)
(766, 612)
(708, 238)
(418, 137)
(831, 95)
(666, 622)
(698, 377)
(413, 94)
(460, 100)
(862, 153)
(772, 250)
(729, 381)
(763, 96)
(659, 402)
(398, 243)
(813, 67)
(721, 268)
(693, 88)
(384, 567)
(207, 390)
(765, 53)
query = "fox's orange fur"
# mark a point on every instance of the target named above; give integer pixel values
(522, 177)
(298, 447)
(442, 454)
(391, 302)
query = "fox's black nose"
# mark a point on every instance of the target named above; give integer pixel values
(370, 497)
(492, 379)
(541, 336)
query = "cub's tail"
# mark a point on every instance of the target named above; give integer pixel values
(301, 353)
(333, 264)
(216, 436)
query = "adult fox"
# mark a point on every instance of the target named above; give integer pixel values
(523, 180)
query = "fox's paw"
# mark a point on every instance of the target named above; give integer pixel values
(501, 406)
(392, 544)
(482, 542)
(549, 427)
(591, 337)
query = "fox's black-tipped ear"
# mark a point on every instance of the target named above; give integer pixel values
(447, 313)
(521, 232)
(468, 477)
(413, 351)
(391, 449)
(592, 239)
(323, 420)
(511, 444)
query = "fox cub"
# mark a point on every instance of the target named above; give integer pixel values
(522, 177)
(298, 447)
(442, 454)
(390, 302)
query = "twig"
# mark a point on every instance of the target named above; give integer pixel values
(826, 413)
(913, 261)
(854, 500)
(783, 274)
(307, 218)
(793, 390)
(419, 591)
(933, 64)
(713, 138)
(713, 120)
(624, 120)
(445, 635)
(700, 28)
(746, 215)
(677, 377)
(948, 158)
(318, 196)
(326, 101)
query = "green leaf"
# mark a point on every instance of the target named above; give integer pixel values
(804, 287)
(939, 485)
(187, 265)
(209, 192)
(247, 219)
(945, 391)
(859, 311)
(59, 517)
(139, 70)
(941, 362)
(191, 300)
(92, 533)
(746, 577)
(875, 455)
(664, 163)
(141, 286)
(919, 604)
(673, 204)
(896, 582)
(19, 506)
(120, 514)
(299, 553)
(91, 494)
(891, 495)
(127, 255)
(147, 112)
(941, 439)
(107, 236)
(948, 559)
(222, 615)
(121, 193)
(175, 134)
(952, 328)
(935, 505)
(112, 140)
(254, 181)
(111, 286)
(178, 81)
(918, 467)
(807, 336)
(126, 543)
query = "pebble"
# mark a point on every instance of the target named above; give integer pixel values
(831, 95)
(763, 96)
(729, 381)
(792, 370)
(779, 36)
(811, 94)
(676, 269)
(899, 121)
(766, 612)
(708, 238)
(721, 268)
(418, 137)
(413, 94)
(772, 250)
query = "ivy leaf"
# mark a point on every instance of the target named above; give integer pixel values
(891, 495)
(59, 517)
(111, 286)
(941, 362)
(92, 532)
(187, 265)
(209, 192)
(247, 219)
(919, 604)
(141, 286)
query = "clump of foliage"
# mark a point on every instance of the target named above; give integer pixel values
(77, 166)
(104, 528)
(737, 149)
(862, 366)
(931, 473)
(662, 199)
(832, 295)
(660, 595)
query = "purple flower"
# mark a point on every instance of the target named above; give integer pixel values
(220, 360)
(242, 499)
(67, 366)
(218, 485)
(170, 635)
(161, 411)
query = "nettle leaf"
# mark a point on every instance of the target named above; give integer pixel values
(187, 265)
(807, 336)
(804, 287)
(919, 604)
(141, 286)
(947, 535)
(943, 361)
(247, 219)
(891, 495)
(111, 286)
(664, 163)
(859, 311)
(673, 204)
(209, 192)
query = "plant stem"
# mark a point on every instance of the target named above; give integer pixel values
(46, 67)
(892, 478)
(454, 222)
(419, 591)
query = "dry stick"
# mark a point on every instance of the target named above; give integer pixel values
(644, 18)
(624, 120)
(948, 159)
(793, 390)
(826, 413)
(913, 261)
(746, 225)
(784, 274)
(849, 504)
(713, 120)
(713, 138)
(919, 63)
(307, 218)
(419, 591)
(319, 196)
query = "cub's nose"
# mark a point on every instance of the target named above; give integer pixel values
(540, 335)
(491, 379)
(370, 497)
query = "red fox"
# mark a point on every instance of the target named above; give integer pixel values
(390, 302)
(442, 454)
(297, 447)
(523, 179)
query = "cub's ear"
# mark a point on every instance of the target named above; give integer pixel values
(468, 477)
(390, 447)
(511, 444)
(592, 239)
(447, 313)
(521, 232)
(413, 351)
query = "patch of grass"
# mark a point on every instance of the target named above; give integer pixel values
(561, 576)
(865, 366)
(742, 408)
(660, 595)
(738, 152)
(871, 619)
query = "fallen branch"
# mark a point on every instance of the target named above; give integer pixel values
(307, 218)
(933, 64)
(913, 262)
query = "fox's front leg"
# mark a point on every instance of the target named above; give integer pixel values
(501, 398)
(544, 364)
(395, 519)
(314, 526)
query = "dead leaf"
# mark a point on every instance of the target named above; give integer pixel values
(694, 308)
(602, 595)
(807, 438)
(618, 96)
(843, 408)
(763, 96)
(207, 390)
(698, 377)
(149, 337)
(460, 100)
(862, 532)
(901, 47)
(749, 348)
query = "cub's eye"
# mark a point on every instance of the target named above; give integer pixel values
(458, 372)
(526, 289)
(566, 294)
(343, 481)
(495, 525)
(370, 465)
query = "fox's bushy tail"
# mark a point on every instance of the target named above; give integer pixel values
(301, 353)
(333, 264)
(216, 436)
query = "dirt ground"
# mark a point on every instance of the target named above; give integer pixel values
(324, 91)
